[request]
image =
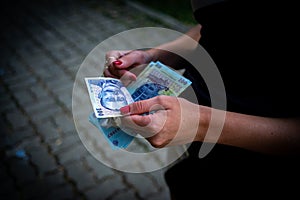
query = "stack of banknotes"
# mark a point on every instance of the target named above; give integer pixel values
(108, 95)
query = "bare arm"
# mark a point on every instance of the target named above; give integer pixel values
(129, 59)
(183, 44)
(180, 123)
(261, 134)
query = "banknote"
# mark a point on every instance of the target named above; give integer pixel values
(107, 96)
(114, 135)
(156, 79)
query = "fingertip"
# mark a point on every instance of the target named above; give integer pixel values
(118, 62)
(127, 78)
(125, 110)
(130, 76)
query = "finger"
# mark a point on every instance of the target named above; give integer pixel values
(107, 73)
(121, 72)
(141, 120)
(138, 124)
(113, 56)
(130, 59)
(127, 78)
(145, 106)
(110, 60)
(146, 125)
(129, 125)
(116, 54)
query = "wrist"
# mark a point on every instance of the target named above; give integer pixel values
(204, 121)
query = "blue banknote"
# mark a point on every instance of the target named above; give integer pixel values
(107, 96)
(114, 135)
(156, 79)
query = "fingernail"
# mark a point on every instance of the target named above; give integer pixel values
(117, 62)
(125, 110)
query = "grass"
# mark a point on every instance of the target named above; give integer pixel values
(179, 9)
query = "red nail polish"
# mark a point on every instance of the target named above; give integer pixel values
(117, 62)
(125, 110)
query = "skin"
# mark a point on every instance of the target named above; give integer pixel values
(178, 121)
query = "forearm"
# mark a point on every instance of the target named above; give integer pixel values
(183, 45)
(261, 134)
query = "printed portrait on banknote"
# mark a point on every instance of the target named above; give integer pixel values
(107, 95)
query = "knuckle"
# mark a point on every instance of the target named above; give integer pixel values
(138, 106)
(157, 142)
(161, 99)
(165, 100)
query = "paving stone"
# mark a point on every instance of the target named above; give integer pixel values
(63, 192)
(62, 144)
(43, 187)
(65, 52)
(43, 71)
(17, 119)
(106, 189)
(101, 171)
(7, 185)
(18, 136)
(160, 196)
(7, 104)
(73, 154)
(126, 194)
(40, 106)
(24, 97)
(62, 87)
(43, 160)
(143, 189)
(43, 47)
(43, 109)
(65, 124)
(21, 82)
(47, 114)
(28, 50)
(38, 91)
(66, 100)
(79, 174)
(16, 65)
(48, 131)
(22, 170)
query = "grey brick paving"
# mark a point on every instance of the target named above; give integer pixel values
(43, 43)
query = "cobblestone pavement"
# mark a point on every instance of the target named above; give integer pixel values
(43, 44)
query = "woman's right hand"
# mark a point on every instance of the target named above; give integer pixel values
(119, 63)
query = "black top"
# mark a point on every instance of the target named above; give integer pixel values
(254, 45)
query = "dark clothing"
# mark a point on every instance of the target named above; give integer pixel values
(252, 43)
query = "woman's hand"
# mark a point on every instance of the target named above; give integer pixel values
(172, 121)
(119, 63)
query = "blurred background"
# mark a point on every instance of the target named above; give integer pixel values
(43, 43)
